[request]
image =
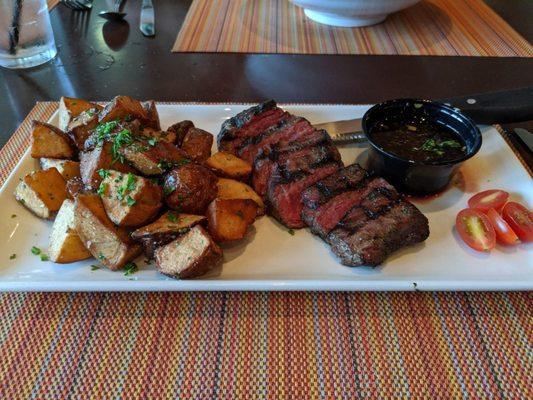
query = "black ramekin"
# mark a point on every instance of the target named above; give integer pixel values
(418, 177)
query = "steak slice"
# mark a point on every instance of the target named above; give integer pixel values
(344, 179)
(398, 226)
(285, 198)
(328, 215)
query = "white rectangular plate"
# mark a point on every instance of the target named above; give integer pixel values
(271, 258)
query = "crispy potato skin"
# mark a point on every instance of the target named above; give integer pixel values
(121, 107)
(146, 198)
(152, 116)
(76, 186)
(232, 189)
(67, 168)
(70, 108)
(42, 192)
(80, 128)
(153, 160)
(197, 144)
(192, 187)
(49, 141)
(229, 166)
(99, 158)
(180, 129)
(190, 255)
(228, 220)
(109, 244)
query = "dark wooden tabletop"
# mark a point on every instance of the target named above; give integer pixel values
(98, 60)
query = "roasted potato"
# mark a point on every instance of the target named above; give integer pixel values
(67, 168)
(190, 188)
(167, 228)
(229, 219)
(192, 254)
(122, 107)
(42, 192)
(180, 129)
(76, 186)
(232, 189)
(197, 144)
(152, 117)
(81, 127)
(229, 166)
(109, 244)
(70, 108)
(49, 141)
(159, 135)
(99, 158)
(65, 244)
(129, 200)
(153, 157)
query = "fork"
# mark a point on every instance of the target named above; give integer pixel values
(78, 5)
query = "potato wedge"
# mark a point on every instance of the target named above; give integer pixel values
(191, 254)
(229, 166)
(109, 244)
(180, 129)
(153, 159)
(70, 108)
(229, 219)
(76, 186)
(42, 192)
(121, 107)
(49, 141)
(152, 120)
(160, 135)
(67, 168)
(65, 244)
(197, 144)
(99, 158)
(232, 189)
(129, 200)
(81, 127)
(164, 230)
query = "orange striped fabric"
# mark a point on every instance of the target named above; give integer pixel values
(52, 3)
(260, 345)
(432, 27)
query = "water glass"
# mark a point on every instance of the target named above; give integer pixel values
(26, 37)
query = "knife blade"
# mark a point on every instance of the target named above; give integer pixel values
(485, 108)
(147, 21)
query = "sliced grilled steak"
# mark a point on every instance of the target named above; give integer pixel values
(285, 197)
(326, 217)
(398, 226)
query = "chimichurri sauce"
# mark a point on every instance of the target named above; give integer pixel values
(419, 141)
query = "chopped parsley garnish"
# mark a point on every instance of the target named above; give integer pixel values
(104, 173)
(94, 267)
(44, 257)
(130, 269)
(291, 232)
(90, 113)
(163, 164)
(101, 256)
(438, 147)
(123, 138)
(35, 250)
(13, 215)
(12, 256)
(152, 141)
(104, 130)
(129, 186)
(172, 217)
(102, 189)
(130, 201)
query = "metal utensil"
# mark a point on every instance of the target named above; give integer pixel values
(114, 14)
(147, 20)
(526, 137)
(78, 5)
(485, 108)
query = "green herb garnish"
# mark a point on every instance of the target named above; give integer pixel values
(13, 215)
(35, 250)
(123, 138)
(94, 267)
(44, 257)
(102, 189)
(101, 256)
(291, 232)
(104, 173)
(130, 269)
(12, 256)
(172, 217)
(152, 141)
(130, 201)
(128, 186)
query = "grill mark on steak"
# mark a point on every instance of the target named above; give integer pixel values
(285, 199)
(296, 165)
(231, 127)
(399, 226)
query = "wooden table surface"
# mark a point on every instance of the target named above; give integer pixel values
(98, 60)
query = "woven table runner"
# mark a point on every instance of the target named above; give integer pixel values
(260, 345)
(432, 27)
(52, 3)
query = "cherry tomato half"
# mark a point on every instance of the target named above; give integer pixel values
(475, 229)
(520, 219)
(504, 233)
(487, 199)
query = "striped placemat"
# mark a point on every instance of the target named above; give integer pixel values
(432, 27)
(260, 345)
(52, 3)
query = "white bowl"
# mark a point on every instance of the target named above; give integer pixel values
(351, 13)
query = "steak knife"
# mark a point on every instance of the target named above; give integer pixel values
(147, 24)
(486, 108)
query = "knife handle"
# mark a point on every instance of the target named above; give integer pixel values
(496, 107)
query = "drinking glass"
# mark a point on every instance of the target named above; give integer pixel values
(26, 37)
